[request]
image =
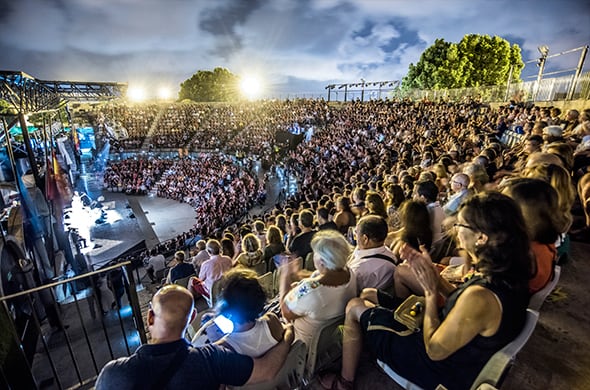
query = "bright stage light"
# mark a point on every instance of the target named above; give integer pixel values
(164, 93)
(250, 87)
(135, 94)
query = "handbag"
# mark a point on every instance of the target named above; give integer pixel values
(411, 313)
(408, 318)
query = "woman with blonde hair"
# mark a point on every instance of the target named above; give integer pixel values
(251, 253)
(323, 295)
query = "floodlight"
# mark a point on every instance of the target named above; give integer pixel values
(164, 93)
(135, 94)
(250, 87)
(544, 50)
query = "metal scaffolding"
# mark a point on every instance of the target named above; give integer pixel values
(29, 95)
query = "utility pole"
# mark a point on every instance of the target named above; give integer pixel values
(544, 50)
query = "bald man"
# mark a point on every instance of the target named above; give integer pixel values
(460, 190)
(170, 362)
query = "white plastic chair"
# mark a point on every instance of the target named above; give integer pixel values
(538, 298)
(495, 369)
(325, 346)
(290, 375)
(266, 282)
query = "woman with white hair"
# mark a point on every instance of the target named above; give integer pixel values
(323, 295)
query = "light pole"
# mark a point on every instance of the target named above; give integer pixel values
(362, 90)
(544, 50)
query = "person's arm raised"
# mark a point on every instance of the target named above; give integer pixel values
(267, 366)
(477, 311)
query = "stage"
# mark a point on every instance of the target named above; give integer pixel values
(128, 221)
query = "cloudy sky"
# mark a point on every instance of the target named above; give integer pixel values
(295, 46)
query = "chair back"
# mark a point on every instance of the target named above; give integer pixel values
(290, 376)
(259, 268)
(495, 370)
(325, 346)
(183, 281)
(538, 298)
(266, 283)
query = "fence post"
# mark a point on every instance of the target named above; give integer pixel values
(134, 302)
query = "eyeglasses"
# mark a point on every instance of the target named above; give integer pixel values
(457, 225)
(457, 182)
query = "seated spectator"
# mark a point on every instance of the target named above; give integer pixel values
(251, 253)
(583, 234)
(201, 255)
(301, 244)
(344, 217)
(242, 301)
(179, 269)
(459, 189)
(274, 246)
(375, 204)
(156, 263)
(323, 295)
(211, 271)
(394, 197)
(372, 263)
(323, 217)
(538, 203)
(415, 227)
(212, 365)
(259, 231)
(427, 192)
(479, 317)
(228, 247)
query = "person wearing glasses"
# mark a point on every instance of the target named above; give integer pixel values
(478, 317)
(460, 190)
(170, 362)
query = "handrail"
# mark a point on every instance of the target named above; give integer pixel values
(54, 284)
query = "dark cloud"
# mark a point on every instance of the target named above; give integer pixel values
(6, 10)
(222, 21)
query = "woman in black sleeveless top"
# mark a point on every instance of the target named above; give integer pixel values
(479, 317)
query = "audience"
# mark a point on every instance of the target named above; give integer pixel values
(149, 367)
(479, 317)
(374, 155)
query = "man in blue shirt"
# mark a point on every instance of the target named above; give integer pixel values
(170, 362)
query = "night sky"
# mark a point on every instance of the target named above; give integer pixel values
(295, 46)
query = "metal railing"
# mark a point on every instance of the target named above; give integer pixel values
(549, 89)
(63, 345)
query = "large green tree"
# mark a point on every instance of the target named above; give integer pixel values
(219, 85)
(477, 60)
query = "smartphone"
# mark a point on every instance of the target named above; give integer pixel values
(224, 324)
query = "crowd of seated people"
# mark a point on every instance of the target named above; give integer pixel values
(243, 128)
(134, 176)
(374, 151)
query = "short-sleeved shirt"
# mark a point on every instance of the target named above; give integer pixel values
(204, 368)
(301, 244)
(180, 271)
(317, 303)
(157, 263)
(372, 269)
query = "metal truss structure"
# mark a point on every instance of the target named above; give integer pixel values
(29, 95)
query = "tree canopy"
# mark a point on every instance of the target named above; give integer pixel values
(219, 85)
(477, 60)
